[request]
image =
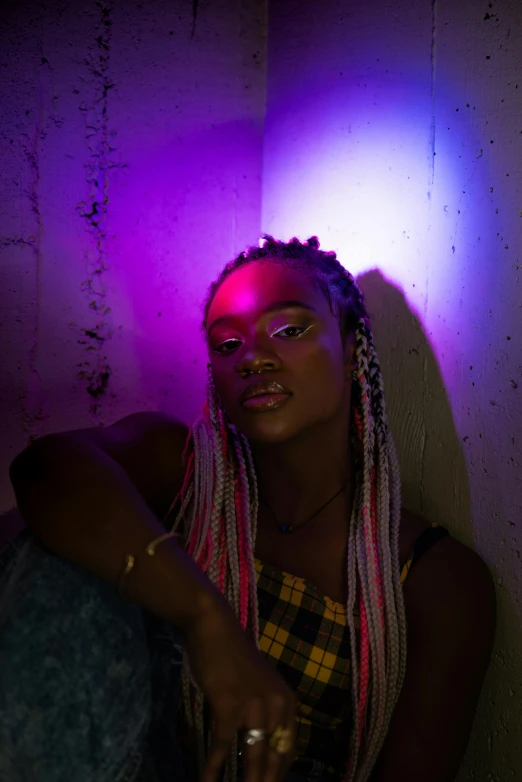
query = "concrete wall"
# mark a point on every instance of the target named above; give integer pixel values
(394, 133)
(131, 152)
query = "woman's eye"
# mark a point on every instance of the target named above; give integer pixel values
(226, 347)
(299, 329)
(228, 343)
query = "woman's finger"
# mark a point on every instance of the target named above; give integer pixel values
(255, 754)
(281, 745)
(223, 735)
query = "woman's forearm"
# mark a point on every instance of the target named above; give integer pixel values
(83, 506)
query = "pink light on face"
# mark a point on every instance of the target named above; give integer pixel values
(235, 300)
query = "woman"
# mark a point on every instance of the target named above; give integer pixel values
(373, 629)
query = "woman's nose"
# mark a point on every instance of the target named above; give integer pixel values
(258, 358)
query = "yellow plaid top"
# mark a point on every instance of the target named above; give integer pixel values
(305, 634)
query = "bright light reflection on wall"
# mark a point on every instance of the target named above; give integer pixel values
(359, 172)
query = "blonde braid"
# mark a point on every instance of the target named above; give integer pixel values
(242, 448)
(231, 529)
(220, 471)
(367, 565)
(350, 618)
(391, 574)
(395, 519)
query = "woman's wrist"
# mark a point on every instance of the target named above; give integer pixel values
(187, 599)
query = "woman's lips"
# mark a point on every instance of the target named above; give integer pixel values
(265, 402)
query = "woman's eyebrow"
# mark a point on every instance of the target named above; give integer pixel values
(276, 305)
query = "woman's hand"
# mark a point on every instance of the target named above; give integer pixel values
(243, 692)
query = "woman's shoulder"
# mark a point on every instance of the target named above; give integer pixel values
(149, 446)
(153, 444)
(449, 598)
(153, 426)
(449, 577)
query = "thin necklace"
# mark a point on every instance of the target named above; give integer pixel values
(291, 527)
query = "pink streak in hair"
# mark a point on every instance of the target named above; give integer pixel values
(364, 665)
(358, 424)
(373, 493)
(222, 561)
(243, 562)
(189, 471)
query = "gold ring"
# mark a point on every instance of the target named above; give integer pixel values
(281, 740)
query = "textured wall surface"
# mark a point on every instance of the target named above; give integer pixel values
(394, 133)
(130, 144)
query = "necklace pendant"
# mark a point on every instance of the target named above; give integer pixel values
(286, 528)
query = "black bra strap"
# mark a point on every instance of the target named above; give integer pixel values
(426, 540)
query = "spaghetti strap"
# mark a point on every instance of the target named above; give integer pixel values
(425, 540)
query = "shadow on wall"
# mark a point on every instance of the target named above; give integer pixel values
(436, 484)
(433, 466)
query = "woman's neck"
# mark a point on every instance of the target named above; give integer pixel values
(297, 476)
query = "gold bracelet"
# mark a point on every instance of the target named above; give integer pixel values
(151, 548)
(130, 560)
(129, 564)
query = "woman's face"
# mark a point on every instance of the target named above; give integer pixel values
(271, 320)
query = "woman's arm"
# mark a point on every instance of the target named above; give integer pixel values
(450, 607)
(93, 496)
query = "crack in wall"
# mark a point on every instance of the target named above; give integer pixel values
(195, 5)
(33, 404)
(432, 88)
(432, 139)
(95, 370)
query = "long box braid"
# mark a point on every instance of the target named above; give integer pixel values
(220, 481)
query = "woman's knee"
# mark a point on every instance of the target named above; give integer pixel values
(75, 673)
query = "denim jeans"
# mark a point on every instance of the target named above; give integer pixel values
(89, 685)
